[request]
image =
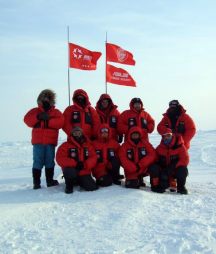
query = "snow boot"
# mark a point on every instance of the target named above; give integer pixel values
(49, 172)
(87, 183)
(182, 190)
(157, 189)
(104, 181)
(133, 184)
(36, 173)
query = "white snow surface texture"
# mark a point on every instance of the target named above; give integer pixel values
(109, 220)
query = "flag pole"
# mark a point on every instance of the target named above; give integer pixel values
(68, 65)
(106, 65)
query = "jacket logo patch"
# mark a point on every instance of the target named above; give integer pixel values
(113, 119)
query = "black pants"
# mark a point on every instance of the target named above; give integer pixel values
(72, 177)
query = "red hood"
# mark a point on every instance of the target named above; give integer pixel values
(134, 129)
(176, 141)
(132, 108)
(81, 92)
(102, 97)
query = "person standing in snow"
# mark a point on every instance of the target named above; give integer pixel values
(137, 157)
(107, 168)
(173, 160)
(176, 120)
(81, 114)
(77, 158)
(136, 116)
(45, 121)
(109, 114)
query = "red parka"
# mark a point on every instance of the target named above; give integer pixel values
(184, 120)
(109, 116)
(131, 117)
(106, 150)
(70, 152)
(175, 154)
(133, 155)
(44, 132)
(86, 118)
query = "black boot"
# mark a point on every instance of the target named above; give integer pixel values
(69, 186)
(182, 190)
(70, 176)
(49, 177)
(104, 181)
(157, 189)
(133, 184)
(36, 173)
(87, 183)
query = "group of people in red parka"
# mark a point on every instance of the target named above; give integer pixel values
(100, 140)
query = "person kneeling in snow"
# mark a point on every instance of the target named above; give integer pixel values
(77, 157)
(137, 156)
(45, 122)
(173, 159)
(106, 171)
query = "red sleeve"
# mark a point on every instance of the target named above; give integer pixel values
(183, 157)
(190, 129)
(150, 123)
(162, 128)
(96, 121)
(128, 165)
(122, 123)
(30, 118)
(67, 120)
(57, 121)
(62, 157)
(145, 162)
(92, 159)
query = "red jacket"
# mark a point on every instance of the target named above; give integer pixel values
(44, 132)
(174, 154)
(131, 155)
(184, 119)
(86, 118)
(131, 117)
(110, 116)
(70, 152)
(105, 150)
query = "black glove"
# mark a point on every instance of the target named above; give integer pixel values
(79, 165)
(181, 128)
(120, 138)
(43, 116)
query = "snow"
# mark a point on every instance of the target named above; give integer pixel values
(110, 220)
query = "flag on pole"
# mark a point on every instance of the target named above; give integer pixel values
(82, 58)
(119, 76)
(118, 55)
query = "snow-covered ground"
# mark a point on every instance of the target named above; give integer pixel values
(110, 220)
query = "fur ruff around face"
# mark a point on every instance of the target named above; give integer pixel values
(47, 93)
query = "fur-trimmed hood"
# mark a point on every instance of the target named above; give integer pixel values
(47, 93)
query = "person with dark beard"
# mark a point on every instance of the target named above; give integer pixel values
(175, 120)
(81, 114)
(45, 121)
(77, 158)
(137, 157)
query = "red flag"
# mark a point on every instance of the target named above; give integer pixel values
(116, 54)
(119, 76)
(82, 58)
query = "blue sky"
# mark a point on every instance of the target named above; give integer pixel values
(173, 42)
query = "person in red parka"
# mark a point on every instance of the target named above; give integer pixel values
(109, 114)
(81, 114)
(173, 160)
(176, 120)
(45, 121)
(136, 116)
(107, 168)
(77, 158)
(137, 157)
